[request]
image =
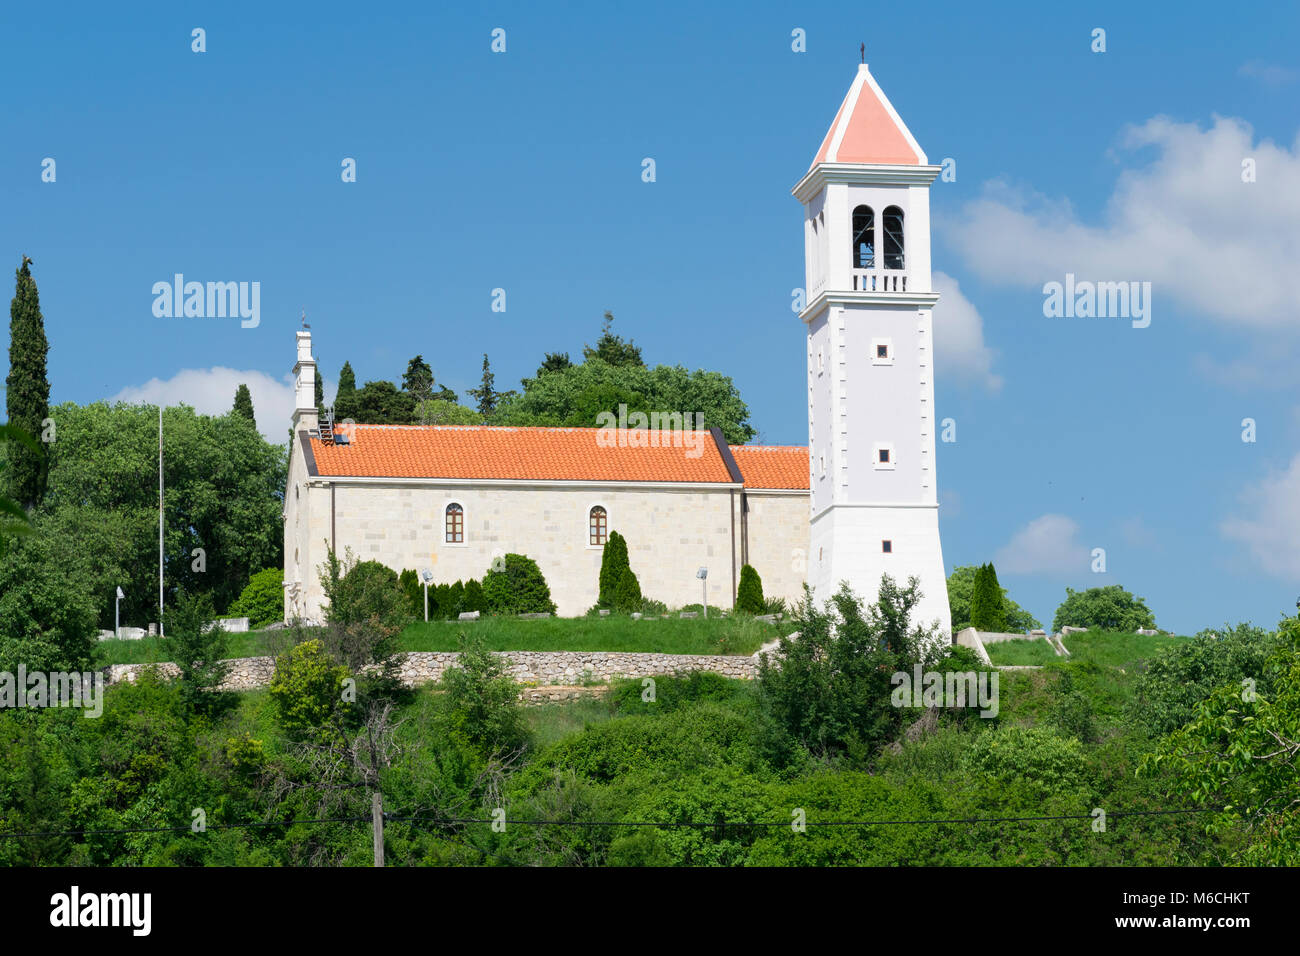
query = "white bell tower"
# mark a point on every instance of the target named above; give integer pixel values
(871, 421)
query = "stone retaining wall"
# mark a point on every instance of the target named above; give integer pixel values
(542, 668)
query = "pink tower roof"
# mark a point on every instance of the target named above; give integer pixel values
(868, 130)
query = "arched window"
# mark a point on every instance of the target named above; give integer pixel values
(455, 524)
(598, 525)
(864, 238)
(893, 223)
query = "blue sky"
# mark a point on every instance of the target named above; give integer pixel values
(522, 171)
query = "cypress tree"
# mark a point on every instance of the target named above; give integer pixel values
(749, 593)
(486, 394)
(627, 593)
(27, 399)
(244, 403)
(346, 397)
(997, 614)
(612, 562)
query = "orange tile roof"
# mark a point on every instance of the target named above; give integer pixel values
(537, 454)
(772, 466)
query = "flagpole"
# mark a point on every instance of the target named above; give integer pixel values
(160, 521)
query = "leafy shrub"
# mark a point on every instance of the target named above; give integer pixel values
(484, 700)
(749, 593)
(474, 599)
(262, 600)
(306, 688)
(1178, 678)
(1036, 756)
(366, 611)
(1106, 609)
(517, 586)
(1070, 710)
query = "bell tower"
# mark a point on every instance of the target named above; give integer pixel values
(871, 421)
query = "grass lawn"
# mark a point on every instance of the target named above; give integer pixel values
(1007, 653)
(729, 635)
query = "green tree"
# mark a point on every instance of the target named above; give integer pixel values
(262, 600)
(1238, 755)
(829, 692)
(197, 647)
(1109, 608)
(14, 521)
(611, 348)
(474, 599)
(27, 395)
(961, 586)
(554, 362)
(516, 585)
(440, 411)
(627, 593)
(244, 403)
(573, 396)
(380, 403)
(418, 378)
(47, 605)
(749, 593)
(986, 611)
(613, 561)
(486, 395)
(346, 395)
(222, 510)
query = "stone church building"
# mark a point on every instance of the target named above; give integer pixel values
(858, 501)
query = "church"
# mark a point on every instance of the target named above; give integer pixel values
(860, 500)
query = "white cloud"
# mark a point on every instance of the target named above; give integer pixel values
(1270, 74)
(211, 391)
(1185, 221)
(1047, 545)
(959, 346)
(1270, 527)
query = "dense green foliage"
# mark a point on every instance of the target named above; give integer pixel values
(987, 612)
(961, 588)
(1109, 608)
(244, 403)
(366, 610)
(627, 593)
(613, 562)
(27, 391)
(749, 593)
(515, 585)
(198, 649)
(262, 600)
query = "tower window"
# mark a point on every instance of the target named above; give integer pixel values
(887, 546)
(884, 456)
(892, 220)
(455, 524)
(597, 525)
(864, 238)
(882, 351)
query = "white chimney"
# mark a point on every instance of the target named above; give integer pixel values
(304, 386)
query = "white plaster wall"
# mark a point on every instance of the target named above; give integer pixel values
(778, 542)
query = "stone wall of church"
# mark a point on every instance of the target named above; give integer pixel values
(670, 533)
(778, 542)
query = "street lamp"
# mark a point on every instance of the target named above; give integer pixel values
(703, 575)
(427, 575)
(117, 619)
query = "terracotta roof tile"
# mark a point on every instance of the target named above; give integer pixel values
(773, 466)
(538, 454)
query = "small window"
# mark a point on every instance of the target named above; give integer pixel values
(884, 456)
(882, 351)
(455, 524)
(597, 525)
(887, 546)
(821, 461)
(864, 238)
